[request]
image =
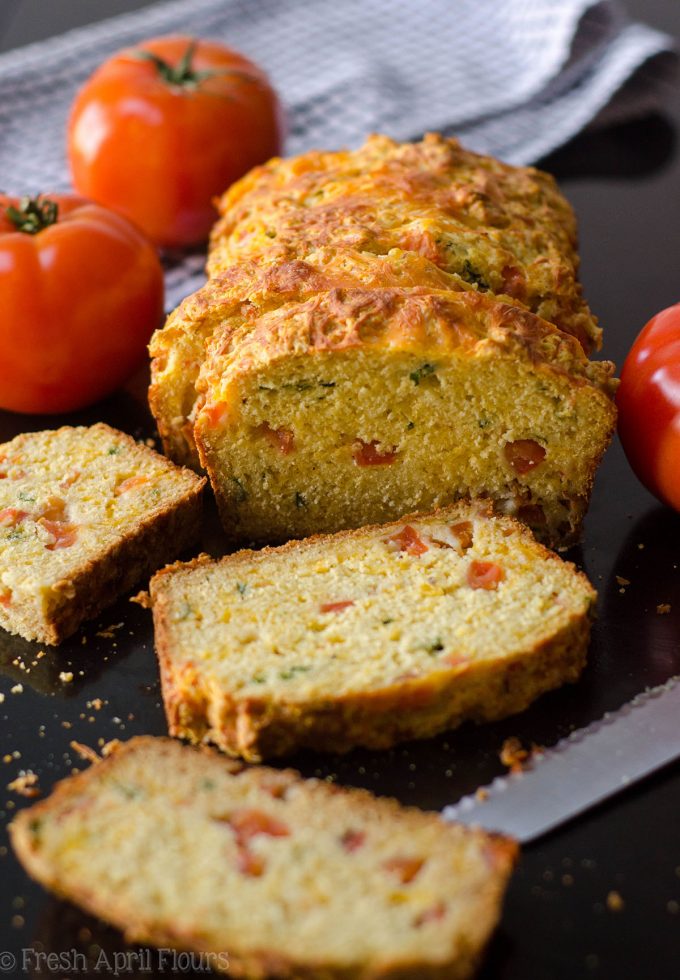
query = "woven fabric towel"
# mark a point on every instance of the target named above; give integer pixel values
(515, 78)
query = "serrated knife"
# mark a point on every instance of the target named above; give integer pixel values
(582, 770)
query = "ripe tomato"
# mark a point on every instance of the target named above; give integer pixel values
(649, 406)
(159, 130)
(81, 290)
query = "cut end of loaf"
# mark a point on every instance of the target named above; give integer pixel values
(399, 402)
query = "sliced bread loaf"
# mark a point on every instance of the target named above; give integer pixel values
(359, 405)
(267, 874)
(85, 513)
(367, 637)
(505, 229)
(231, 303)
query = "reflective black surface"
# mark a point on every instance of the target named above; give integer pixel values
(558, 923)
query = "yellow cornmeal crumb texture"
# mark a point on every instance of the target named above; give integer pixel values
(358, 407)
(367, 637)
(83, 512)
(184, 849)
(367, 291)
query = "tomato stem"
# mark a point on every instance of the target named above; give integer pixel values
(33, 214)
(183, 74)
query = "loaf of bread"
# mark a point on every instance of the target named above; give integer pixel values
(266, 874)
(84, 514)
(387, 330)
(367, 637)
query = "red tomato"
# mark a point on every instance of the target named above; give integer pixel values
(81, 291)
(649, 406)
(159, 130)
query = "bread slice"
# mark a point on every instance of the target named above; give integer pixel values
(84, 514)
(505, 229)
(359, 405)
(368, 637)
(267, 874)
(231, 303)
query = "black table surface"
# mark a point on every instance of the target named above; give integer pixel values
(560, 920)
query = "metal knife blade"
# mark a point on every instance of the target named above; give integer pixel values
(583, 769)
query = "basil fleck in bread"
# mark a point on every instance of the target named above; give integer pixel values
(367, 637)
(84, 514)
(269, 874)
(387, 330)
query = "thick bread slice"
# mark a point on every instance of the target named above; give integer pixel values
(359, 405)
(231, 303)
(368, 637)
(270, 874)
(85, 513)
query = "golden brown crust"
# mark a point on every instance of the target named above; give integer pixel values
(425, 215)
(506, 228)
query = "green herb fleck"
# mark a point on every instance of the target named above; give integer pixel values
(421, 372)
(15, 534)
(299, 385)
(386, 622)
(258, 679)
(327, 384)
(240, 493)
(435, 647)
(208, 784)
(241, 588)
(483, 423)
(470, 274)
(288, 674)
(185, 611)
(411, 425)
(300, 500)
(26, 497)
(129, 792)
(113, 450)
(35, 825)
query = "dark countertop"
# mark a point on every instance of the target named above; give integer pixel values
(557, 924)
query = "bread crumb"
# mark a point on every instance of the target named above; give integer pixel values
(481, 794)
(110, 747)
(109, 632)
(142, 599)
(26, 784)
(85, 752)
(18, 921)
(515, 756)
(614, 902)
(622, 581)
(95, 703)
(2, 697)
(663, 608)
(17, 689)
(40, 654)
(66, 676)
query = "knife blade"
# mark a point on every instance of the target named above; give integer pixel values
(582, 770)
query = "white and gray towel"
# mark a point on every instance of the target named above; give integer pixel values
(515, 78)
